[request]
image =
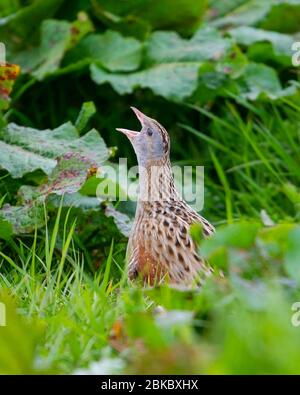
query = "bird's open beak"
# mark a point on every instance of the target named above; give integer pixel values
(131, 134)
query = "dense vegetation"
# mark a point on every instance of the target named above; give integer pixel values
(219, 76)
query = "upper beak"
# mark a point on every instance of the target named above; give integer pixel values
(140, 116)
(131, 134)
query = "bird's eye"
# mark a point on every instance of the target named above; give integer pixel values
(149, 132)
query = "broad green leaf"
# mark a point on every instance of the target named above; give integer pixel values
(24, 150)
(16, 30)
(65, 157)
(18, 161)
(219, 8)
(122, 221)
(290, 9)
(68, 176)
(206, 44)
(23, 219)
(79, 28)
(233, 64)
(276, 234)
(175, 81)
(263, 52)
(249, 13)
(239, 235)
(281, 43)
(56, 38)
(266, 14)
(113, 51)
(76, 200)
(261, 81)
(173, 63)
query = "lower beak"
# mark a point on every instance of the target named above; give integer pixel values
(131, 134)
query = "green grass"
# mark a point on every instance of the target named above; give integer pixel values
(240, 323)
(255, 156)
(55, 291)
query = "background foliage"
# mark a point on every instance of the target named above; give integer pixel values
(219, 76)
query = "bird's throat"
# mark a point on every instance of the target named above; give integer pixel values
(156, 182)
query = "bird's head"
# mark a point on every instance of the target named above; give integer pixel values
(152, 143)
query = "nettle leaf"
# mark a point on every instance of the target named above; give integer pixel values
(247, 36)
(172, 80)
(8, 75)
(111, 50)
(261, 82)
(56, 38)
(24, 149)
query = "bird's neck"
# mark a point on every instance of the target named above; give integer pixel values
(156, 182)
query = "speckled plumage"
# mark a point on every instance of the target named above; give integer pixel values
(160, 246)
